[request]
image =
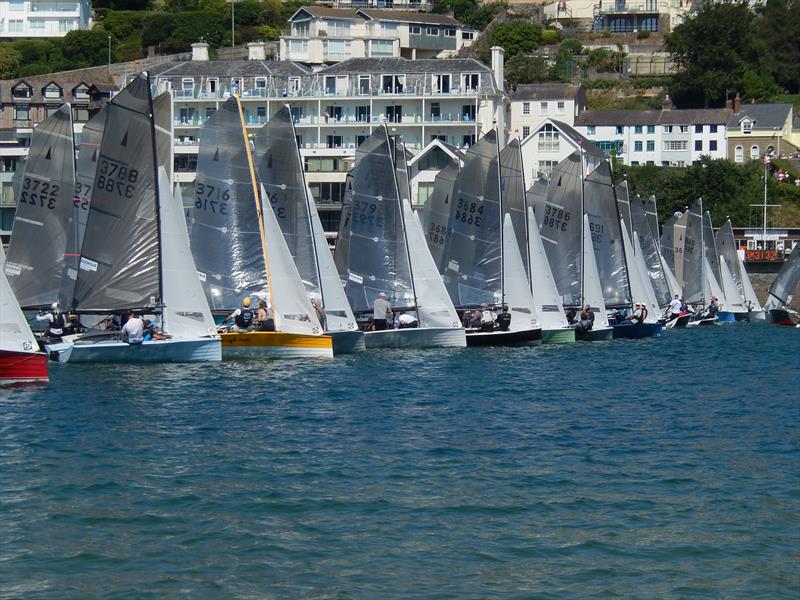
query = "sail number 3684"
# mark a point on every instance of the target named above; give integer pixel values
(469, 212)
(116, 178)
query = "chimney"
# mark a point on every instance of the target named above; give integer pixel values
(255, 51)
(498, 66)
(200, 51)
(737, 104)
(667, 103)
(729, 104)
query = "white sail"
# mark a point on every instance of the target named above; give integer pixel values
(679, 239)
(338, 314)
(291, 307)
(750, 297)
(592, 290)
(672, 282)
(712, 286)
(543, 287)
(186, 313)
(639, 282)
(516, 287)
(653, 306)
(15, 333)
(733, 301)
(434, 306)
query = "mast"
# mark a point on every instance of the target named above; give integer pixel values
(257, 196)
(393, 148)
(157, 200)
(702, 254)
(583, 212)
(619, 219)
(502, 217)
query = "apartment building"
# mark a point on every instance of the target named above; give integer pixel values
(42, 18)
(665, 137)
(323, 35)
(533, 103)
(622, 16)
(423, 5)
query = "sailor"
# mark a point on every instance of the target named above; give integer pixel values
(487, 319)
(587, 320)
(675, 308)
(636, 316)
(265, 322)
(243, 317)
(713, 308)
(380, 309)
(571, 315)
(56, 319)
(407, 321)
(320, 310)
(133, 330)
(504, 319)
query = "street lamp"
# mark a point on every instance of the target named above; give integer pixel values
(233, 21)
(109, 54)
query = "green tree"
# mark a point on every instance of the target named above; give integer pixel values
(780, 28)
(572, 46)
(85, 48)
(10, 61)
(517, 37)
(526, 69)
(471, 13)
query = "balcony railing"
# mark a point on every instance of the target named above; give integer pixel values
(623, 7)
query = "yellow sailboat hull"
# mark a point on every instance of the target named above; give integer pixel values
(275, 344)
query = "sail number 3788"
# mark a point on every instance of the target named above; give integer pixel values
(116, 178)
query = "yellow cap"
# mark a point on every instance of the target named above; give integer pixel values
(246, 302)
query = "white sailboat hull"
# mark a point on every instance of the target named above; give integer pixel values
(347, 342)
(417, 337)
(94, 349)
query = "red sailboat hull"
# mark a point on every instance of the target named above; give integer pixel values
(21, 367)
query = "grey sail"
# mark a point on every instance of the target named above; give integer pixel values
(668, 242)
(162, 120)
(604, 225)
(435, 214)
(377, 258)
(786, 280)
(281, 172)
(710, 246)
(560, 227)
(401, 169)
(652, 215)
(39, 253)
(726, 246)
(652, 257)
(512, 186)
(472, 265)
(624, 207)
(693, 255)
(342, 250)
(120, 256)
(224, 222)
(536, 195)
(85, 172)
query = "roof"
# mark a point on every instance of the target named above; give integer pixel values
(449, 149)
(544, 91)
(325, 11)
(765, 116)
(67, 81)
(407, 16)
(692, 116)
(228, 68)
(404, 65)
(578, 138)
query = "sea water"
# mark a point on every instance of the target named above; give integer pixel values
(660, 468)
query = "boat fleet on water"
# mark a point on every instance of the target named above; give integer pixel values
(106, 234)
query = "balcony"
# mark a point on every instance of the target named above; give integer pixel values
(61, 9)
(622, 7)
(431, 42)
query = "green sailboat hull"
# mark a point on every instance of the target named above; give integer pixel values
(558, 336)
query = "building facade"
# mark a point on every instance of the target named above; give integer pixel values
(322, 35)
(758, 130)
(533, 103)
(42, 18)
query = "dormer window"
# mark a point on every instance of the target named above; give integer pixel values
(747, 127)
(22, 90)
(81, 92)
(52, 92)
(302, 29)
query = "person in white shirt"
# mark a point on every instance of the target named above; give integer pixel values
(56, 321)
(380, 309)
(406, 320)
(675, 308)
(487, 318)
(133, 330)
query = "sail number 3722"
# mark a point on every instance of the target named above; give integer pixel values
(39, 193)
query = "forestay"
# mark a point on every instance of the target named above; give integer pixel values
(601, 207)
(592, 291)
(546, 299)
(224, 221)
(39, 254)
(120, 255)
(560, 228)
(15, 334)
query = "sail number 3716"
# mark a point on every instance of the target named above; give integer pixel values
(211, 198)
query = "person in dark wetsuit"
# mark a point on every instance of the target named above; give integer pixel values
(504, 319)
(587, 320)
(243, 318)
(56, 321)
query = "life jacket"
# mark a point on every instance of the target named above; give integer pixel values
(504, 321)
(644, 314)
(245, 318)
(57, 326)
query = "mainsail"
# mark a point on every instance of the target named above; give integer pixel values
(120, 255)
(512, 187)
(679, 243)
(651, 255)
(536, 195)
(726, 246)
(667, 242)
(652, 215)
(710, 246)
(435, 214)
(785, 283)
(601, 206)
(225, 230)
(733, 300)
(39, 254)
(694, 272)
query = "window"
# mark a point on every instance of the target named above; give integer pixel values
(337, 49)
(619, 129)
(362, 114)
(468, 140)
(333, 113)
(17, 5)
(301, 29)
(712, 129)
(326, 165)
(651, 129)
(651, 146)
(381, 48)
(327, 193)
(441, 84)
(22, 113)
(526, 108)
(414, 29)
(615, 146)
(210, 110)
(186, 116)
(334, 141)
(434, 160)
(389, 28)
(747, 127)
(591, 130)
(675, 145)
(637, 146)
(81, 93)
(698, 129)
(739, 154)
(394, 114)
(213, 85)
(338, 28)
(436, 111)
(664, 163)
(363, 85)
(15, 26)
(468, 112)
(36, 25)
(21, 91)
(542, 108)
(548, 139)
(667, 128)
(698, 145)
(185, 163)
(637, 129)
(298, 48)
(449, 32)
(52, 91)
(467, 35)
(294, 86)
(526, 131)
(754, 152)
(432, 31)
(470, 82)
(560, 107)
(546, 168)
(261, 85)
(187, 84)
(712, 145)
(684, 128)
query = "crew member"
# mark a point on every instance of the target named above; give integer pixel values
(406, 321)
(265, 322)
(380, 309)
(675, 308)
(504, 319)
(587, 320)
(242, 317)
(133, 330)
(56, 319)
(487, 319)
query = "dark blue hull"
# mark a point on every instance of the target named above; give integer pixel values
(726, 317)
(631, 331)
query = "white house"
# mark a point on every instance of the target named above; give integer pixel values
(532, 103)
(42, 18)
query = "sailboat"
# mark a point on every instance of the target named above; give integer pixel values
(717, 273)
(697, 277)
(135, 253)
(381, 249)
(566, 234)
(43, 253)
(653, 241)
(280, 169)
(20, 358)
(240, 250)
(481, 262)
(781, 291)
(726, 246)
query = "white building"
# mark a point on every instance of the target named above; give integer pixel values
(622, 16)
(42, 18)
(532, 103)
(320, 35)
(548, 144)
(664, 137)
